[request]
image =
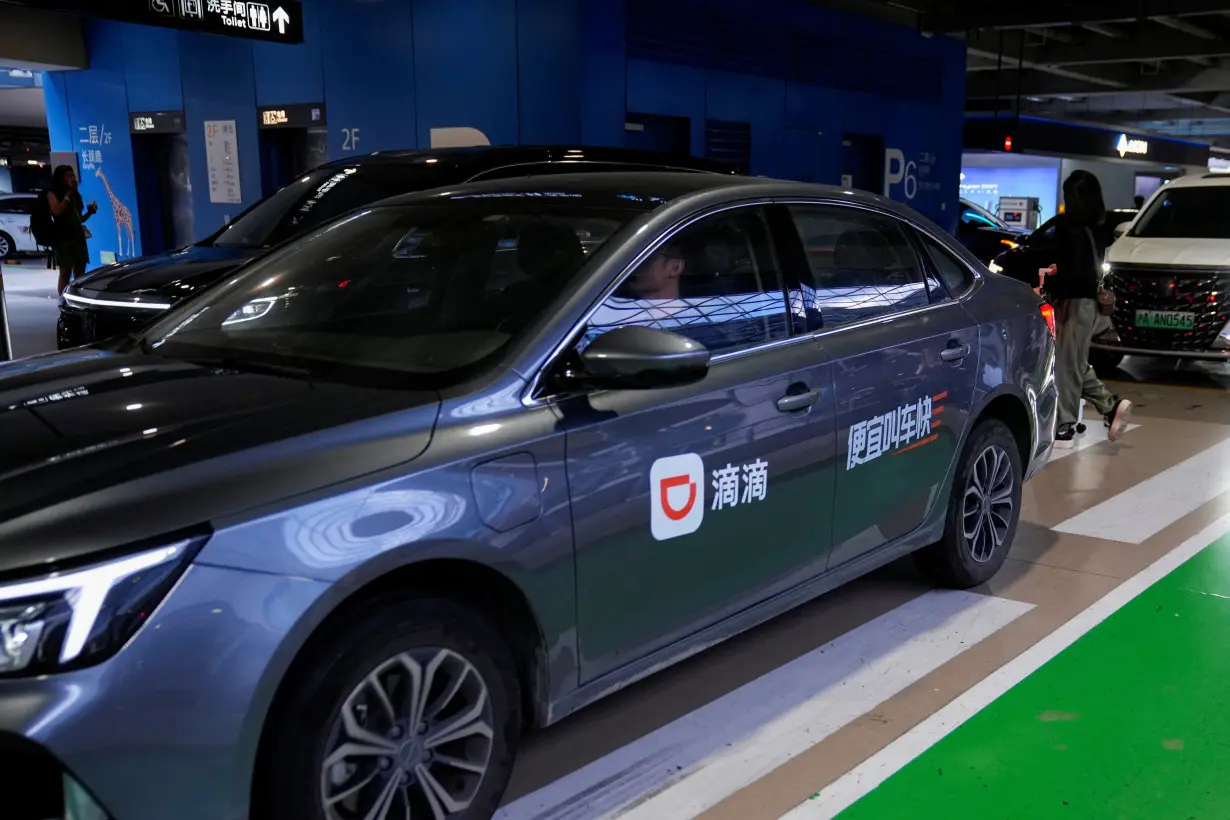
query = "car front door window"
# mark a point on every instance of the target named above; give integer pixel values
(716, 282)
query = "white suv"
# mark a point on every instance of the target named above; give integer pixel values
(1170, 272)
(15, 237)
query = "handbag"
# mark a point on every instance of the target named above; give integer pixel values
(1106, 296)
(1106, 301)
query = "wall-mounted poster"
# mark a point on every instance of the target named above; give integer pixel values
(222, 162)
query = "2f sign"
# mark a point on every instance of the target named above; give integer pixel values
(899, 172)
(350, 139)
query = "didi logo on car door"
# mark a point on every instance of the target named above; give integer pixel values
(676, 496)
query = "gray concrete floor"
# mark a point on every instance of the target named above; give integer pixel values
(32, 304)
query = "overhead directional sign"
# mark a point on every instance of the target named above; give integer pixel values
(279, 21)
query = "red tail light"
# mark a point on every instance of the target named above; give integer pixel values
(1048, 313)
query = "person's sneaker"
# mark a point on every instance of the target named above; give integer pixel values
(1065, 437)
(1117, 418)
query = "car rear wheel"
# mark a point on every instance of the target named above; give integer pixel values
(982, 513)
(7, 246)
(413, 710)
(1104, 362)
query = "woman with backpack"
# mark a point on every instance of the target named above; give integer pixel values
(1073, 284)
(69, 214)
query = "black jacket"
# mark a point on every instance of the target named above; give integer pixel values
(1078, 259)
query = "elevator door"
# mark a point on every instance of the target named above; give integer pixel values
(862, 162)
(164, 197)
(288, 152)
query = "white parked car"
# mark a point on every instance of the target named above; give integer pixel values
(15, 236)
(1170, 272)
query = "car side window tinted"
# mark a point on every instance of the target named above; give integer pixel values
(1044, 236)
(862, 265)
(956, 276)
(716, 282)
(17, 205)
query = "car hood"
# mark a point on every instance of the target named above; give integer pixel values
(169, 276)
(1015, 234)
(99, 450)
(1178, 252)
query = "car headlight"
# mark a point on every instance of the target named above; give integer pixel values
(80, 617)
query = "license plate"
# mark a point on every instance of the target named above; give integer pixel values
(1165, 320)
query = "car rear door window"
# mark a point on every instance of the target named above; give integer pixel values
(861, 264)
(716, 282)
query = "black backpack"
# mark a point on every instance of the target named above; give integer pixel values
(42, 225)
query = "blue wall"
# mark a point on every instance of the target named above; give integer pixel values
(529, 71)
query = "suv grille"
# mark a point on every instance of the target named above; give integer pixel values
(1204, 292)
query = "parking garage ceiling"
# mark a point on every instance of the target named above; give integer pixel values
(1144, 65)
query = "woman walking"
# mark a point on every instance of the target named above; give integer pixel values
(1072, 284)
(70, 214)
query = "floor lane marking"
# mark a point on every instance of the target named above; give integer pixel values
(1136, 514)
(693, 763)
(869, 774)
(1093, 436)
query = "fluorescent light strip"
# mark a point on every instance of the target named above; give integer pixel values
(85, 300)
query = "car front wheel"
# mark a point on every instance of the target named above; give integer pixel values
(413, 710)
(982, 513)
(7, 246)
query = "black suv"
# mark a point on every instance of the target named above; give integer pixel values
(122, 298)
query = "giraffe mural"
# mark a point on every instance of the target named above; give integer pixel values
(123, 220)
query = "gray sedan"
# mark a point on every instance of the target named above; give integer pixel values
(322, 542)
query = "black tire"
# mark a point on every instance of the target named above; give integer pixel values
(8, 248)
(960, 562)
(1104, 362)
(303, 722)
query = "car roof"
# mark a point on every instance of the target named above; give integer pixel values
(644, 190)
(1203, 180)
(483, 157)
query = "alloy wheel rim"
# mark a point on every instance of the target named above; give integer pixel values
(986, 510)
(413, 740)
(4, 247)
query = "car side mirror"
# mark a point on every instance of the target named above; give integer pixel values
(639, 358)
(1121, 229)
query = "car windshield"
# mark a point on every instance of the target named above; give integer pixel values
(318, 196)
(974, 214)
(393, 291)
(1187, 213)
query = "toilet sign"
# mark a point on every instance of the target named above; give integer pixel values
(280, 21)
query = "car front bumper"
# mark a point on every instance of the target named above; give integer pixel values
(77, 327)
(1204, 355)
(170, 726)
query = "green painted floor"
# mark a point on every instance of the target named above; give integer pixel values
(1130, 721)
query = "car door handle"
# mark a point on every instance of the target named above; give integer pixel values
(955, 353)
(798, 401)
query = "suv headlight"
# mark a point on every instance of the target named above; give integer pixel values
(80, 617)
